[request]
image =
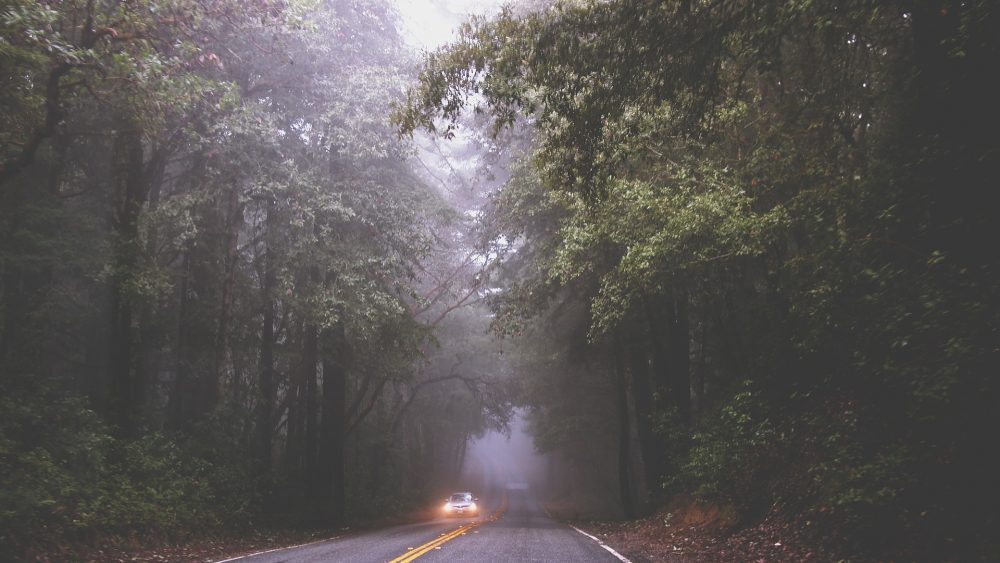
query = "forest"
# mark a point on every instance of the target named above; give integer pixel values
(265, 265)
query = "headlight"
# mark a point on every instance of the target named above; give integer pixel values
(447, 507)
(473, 507)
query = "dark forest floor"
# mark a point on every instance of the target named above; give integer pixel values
(207, 547)
(686, 532)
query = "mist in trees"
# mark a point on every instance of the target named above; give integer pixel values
(230, 293)
(263, 262)
(747, 254)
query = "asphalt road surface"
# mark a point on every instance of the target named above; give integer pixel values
(514, 527)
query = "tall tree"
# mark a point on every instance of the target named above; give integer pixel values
(775, 175)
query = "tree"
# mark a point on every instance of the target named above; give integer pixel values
(739, 182)
(211, 233)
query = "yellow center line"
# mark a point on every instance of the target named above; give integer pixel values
(445, 538)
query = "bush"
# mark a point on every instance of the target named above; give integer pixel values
(53, 461)
(64, 478)
(725, 462)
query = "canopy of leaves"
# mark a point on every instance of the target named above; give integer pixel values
(810, 177)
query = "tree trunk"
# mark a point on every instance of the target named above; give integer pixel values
(332, 486)
(661, 358)
(296, 416)
(680, 356)
(266, 394)
(624, 431)
(130, 191)
(460, 454)
(310, 361)
(213, 387)
(24, 345)
(183, 394)
(642, 396)
(670, 341)
(177, 406)
(150, 333)
(20, 344)
(700, 372)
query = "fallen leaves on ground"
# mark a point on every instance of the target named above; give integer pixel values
(672, 535)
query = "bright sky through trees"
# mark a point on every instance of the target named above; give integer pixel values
(430, 23)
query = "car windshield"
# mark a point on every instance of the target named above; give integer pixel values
(461, 497)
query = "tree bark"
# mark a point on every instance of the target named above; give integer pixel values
(54, 116)
(642, 396)
(183, 395)
(150, 333)
(310, 361)
(214, 386)
(24, 346)
(332, 486)
(177, 406)
(296, 416)
(130, 190)
(670, 341)
(624, 431)
(266, 395)
(680, 356)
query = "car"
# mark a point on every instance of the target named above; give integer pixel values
(461, 504)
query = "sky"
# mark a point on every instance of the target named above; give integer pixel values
(428, 24)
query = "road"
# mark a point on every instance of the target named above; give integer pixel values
(516, 528)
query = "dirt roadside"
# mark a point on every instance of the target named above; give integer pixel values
(690, 533)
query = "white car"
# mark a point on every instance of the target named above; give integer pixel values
(461, 504)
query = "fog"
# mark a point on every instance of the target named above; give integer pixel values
(323, 262)
(428, 24)
(506, 459)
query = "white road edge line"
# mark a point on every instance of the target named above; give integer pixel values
(238, 557)
(620, 557)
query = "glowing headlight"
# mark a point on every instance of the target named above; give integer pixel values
(473, 507)
(447, 507)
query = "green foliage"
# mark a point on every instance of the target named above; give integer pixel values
(811, 177)
(169, 171)
(728, 455)
(65, 478)
(52, 460)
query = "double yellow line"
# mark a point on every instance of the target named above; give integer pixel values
(445, 538)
